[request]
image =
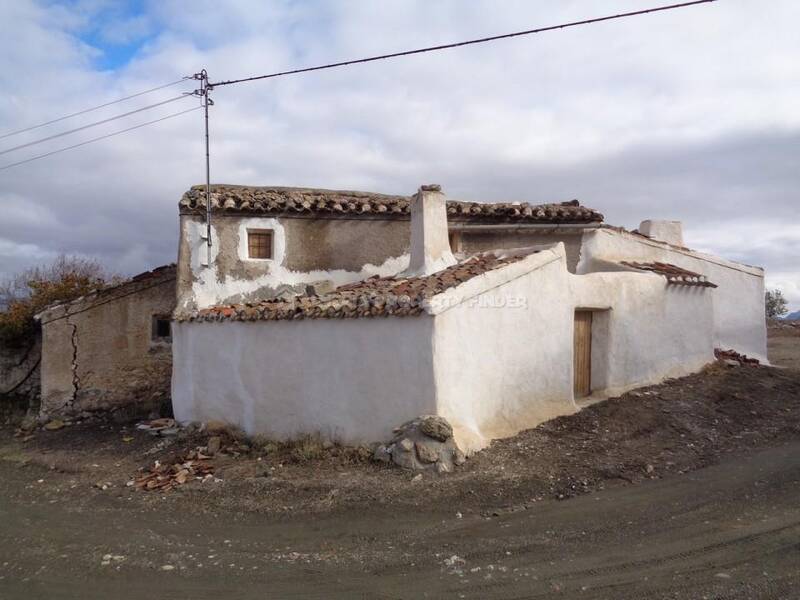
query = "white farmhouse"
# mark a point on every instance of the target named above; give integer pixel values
(347, 313)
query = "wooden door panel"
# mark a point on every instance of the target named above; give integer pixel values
(582, 361)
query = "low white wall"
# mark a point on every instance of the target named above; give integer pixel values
(351, 380)
(738, 301)
(499, 371)
(644, 330)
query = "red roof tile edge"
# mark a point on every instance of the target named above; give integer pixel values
(372, 297)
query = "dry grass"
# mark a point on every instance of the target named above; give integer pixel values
(305, 448)
(302, 450)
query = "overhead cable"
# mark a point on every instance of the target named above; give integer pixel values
(95, 124)
(102, 137)
(93, 108)
(459, 44)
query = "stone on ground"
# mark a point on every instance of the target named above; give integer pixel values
(214, 444)
(422, 444)
(436, 427)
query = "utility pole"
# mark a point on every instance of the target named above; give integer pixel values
(203, 92)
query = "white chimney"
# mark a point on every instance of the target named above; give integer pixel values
(430, 245)
(670, 232)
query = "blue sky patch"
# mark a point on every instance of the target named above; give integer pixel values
(118, 30)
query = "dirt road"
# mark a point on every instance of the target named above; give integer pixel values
(727, 531)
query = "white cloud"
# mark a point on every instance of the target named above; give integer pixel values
(690, 115)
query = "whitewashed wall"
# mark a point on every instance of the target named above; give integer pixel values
(495, 358)
(499, 371)
(350, 380)
(500, 368)
(738, 302)
(645, 329)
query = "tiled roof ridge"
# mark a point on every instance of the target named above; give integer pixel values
(288, 200)
(371, 297)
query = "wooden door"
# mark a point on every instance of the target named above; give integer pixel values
(582, 357)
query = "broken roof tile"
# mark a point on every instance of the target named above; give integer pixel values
(372, 297)
(674, 274)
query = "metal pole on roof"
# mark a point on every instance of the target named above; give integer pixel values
(203, 92)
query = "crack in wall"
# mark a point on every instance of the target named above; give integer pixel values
(75, 379)
(67, 403)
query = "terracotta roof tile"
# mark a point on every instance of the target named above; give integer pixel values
(376, 296)
(282, 200)
(674, 274)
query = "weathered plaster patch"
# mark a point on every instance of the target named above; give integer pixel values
(209, 288)
(201, 255)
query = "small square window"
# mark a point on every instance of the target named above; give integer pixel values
(259, 243)
(162, 329)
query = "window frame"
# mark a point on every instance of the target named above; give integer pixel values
(155, 338)
(258, 231)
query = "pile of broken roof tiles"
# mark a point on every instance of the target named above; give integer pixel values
(373, 297)
(273, 200)
(674, 274)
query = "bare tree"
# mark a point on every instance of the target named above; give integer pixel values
(25, 294)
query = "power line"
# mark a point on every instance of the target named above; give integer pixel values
(97, 139)
(464, 43)
(98, 107)
(95, 124)
(209, 86)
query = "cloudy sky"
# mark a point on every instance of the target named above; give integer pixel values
(689, 115)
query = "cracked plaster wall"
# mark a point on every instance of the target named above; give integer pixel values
(99, 354)
(320, 252)
(324, 252)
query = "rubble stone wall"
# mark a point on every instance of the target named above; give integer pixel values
(20, 373)
(99, 352)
